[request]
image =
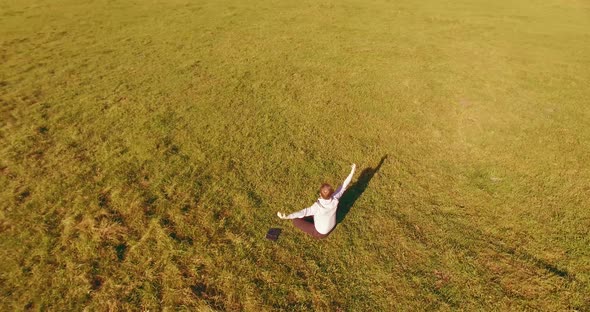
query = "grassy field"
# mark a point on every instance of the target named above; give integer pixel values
(146, 146)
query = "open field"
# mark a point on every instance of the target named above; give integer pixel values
(146, 146)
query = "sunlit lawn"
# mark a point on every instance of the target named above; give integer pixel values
(146, 146)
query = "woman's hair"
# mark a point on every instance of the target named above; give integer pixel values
(326, 191)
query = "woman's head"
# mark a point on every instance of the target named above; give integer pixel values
(326, 191)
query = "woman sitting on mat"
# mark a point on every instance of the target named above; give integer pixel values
(319, 219)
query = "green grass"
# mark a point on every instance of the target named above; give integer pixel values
(146, 146)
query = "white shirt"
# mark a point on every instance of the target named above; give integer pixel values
(324, 210)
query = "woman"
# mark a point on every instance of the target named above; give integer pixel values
(319, 219)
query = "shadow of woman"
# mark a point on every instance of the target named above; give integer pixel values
(356, 190)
